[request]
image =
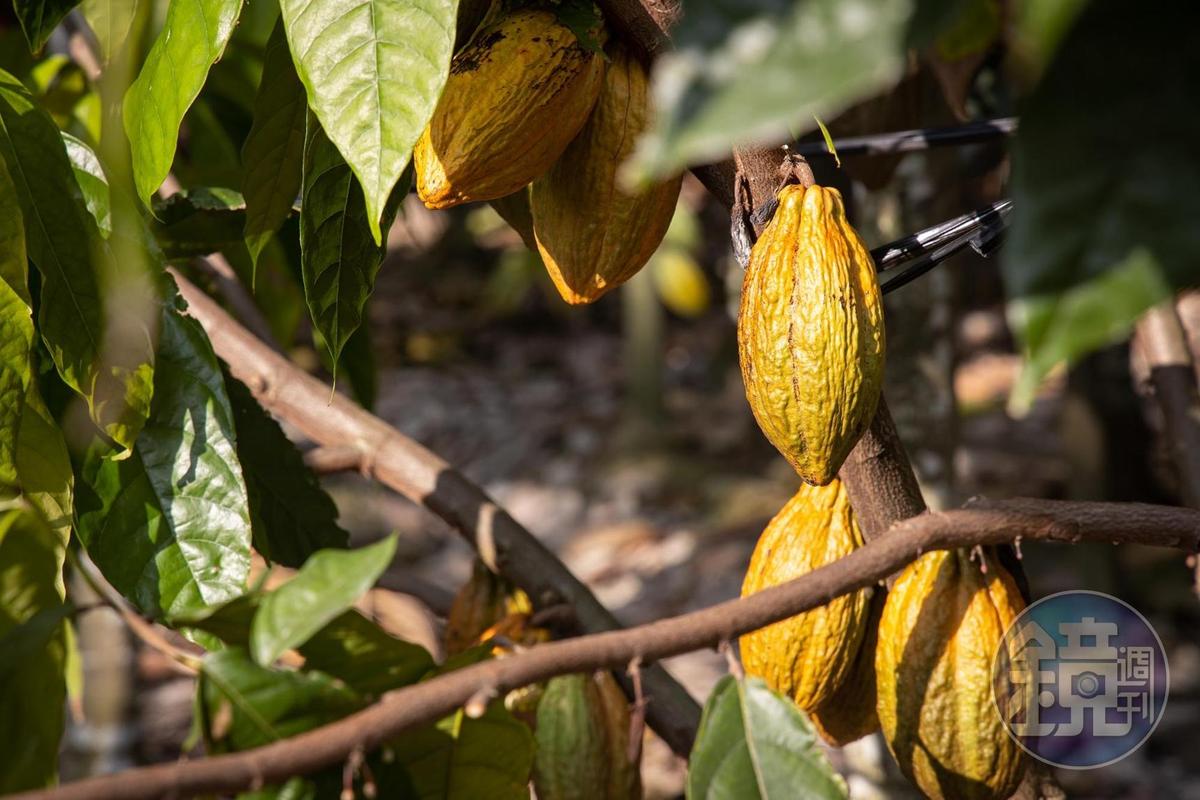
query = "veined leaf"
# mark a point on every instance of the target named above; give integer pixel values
(16, 330)
(754, 743)
(339, 259)
(32, 691)
(39, 18)
(292, 517)
(169, 526)
(462, 757)
(364, 656)
(111, 21)
(374, 70)
(192, 38)
(93, 183)
(328, 584)
(274, 149)
(199, 221)
(64, 243)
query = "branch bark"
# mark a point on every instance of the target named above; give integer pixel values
(390, 457)
(980, 523)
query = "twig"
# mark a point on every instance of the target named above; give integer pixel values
(332, 459)
(403, 465)
(981, 523)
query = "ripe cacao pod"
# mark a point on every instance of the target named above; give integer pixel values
(516, 96)
(848, 714)
(514, 209)
(592, 234)
(942, 622)
(810, 332)
(483, 601)
(583, 741)
(810, 655)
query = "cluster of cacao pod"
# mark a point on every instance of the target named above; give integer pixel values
(540, 122)
(581, 722)
(915, 661)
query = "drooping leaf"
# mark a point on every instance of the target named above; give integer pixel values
(273, 154)
(169, 525)
(199, 221)
(357, 362)
(16, 330)
(65, 245)
(364, 656)
(339, 259)
(752, 71)
(292, 517)
(33, 688)
(1105, 215)
(92, 182)
(39, 18)
(754, 743)
(43, 465)
(328, 583)
(462, 757)
(111, 21)
(245, 705)
(374, 71)
(193, 36)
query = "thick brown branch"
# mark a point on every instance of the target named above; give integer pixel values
(401, 464)
(982, 522)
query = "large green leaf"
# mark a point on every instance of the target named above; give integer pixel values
(111, 21)
(16, 329)
(364, 656)
(274, 151)
(192, 38)
(244, 705)
(328, 583)
(92, 182)
(339, 259)
(43, 464)
(64, 243)
(1105, 214)
(292, 517)
(169, 525)
(463, 757)
(33, 689)
(753, 71)
(374, 70)
(199, 221)
(754, 743)
(39, 18)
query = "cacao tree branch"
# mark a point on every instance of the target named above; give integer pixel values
(398, 462)
(982, 522)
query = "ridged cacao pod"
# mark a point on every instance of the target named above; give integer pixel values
(810, 332)
(484, 600)
(942, 622)
(810, 655)
(583, 741)
(848, 714)
(516, 96)
(593, 236)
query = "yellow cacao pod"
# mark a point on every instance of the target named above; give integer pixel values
(583, 741)
(848, 714)
(942, 622)
(483, 601)
(516, 96)
(810, 655)
(593, 236)
(810, 332)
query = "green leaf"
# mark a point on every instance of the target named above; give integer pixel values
(199, 221)
(291, 515)
(1105, 215)
(245, 705)
(39, 18)
(462, 757)
(339, 259)
(92, 182)
(364, 656)
(32, 689)
(111, 21)
(357, 360)
(192, 38)
(16, 330)
(328, 583)
(63, 241)
(169, 525)
(374, 71)
(751, 71)
(43, 464)
(274, 150)
(755, 743)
